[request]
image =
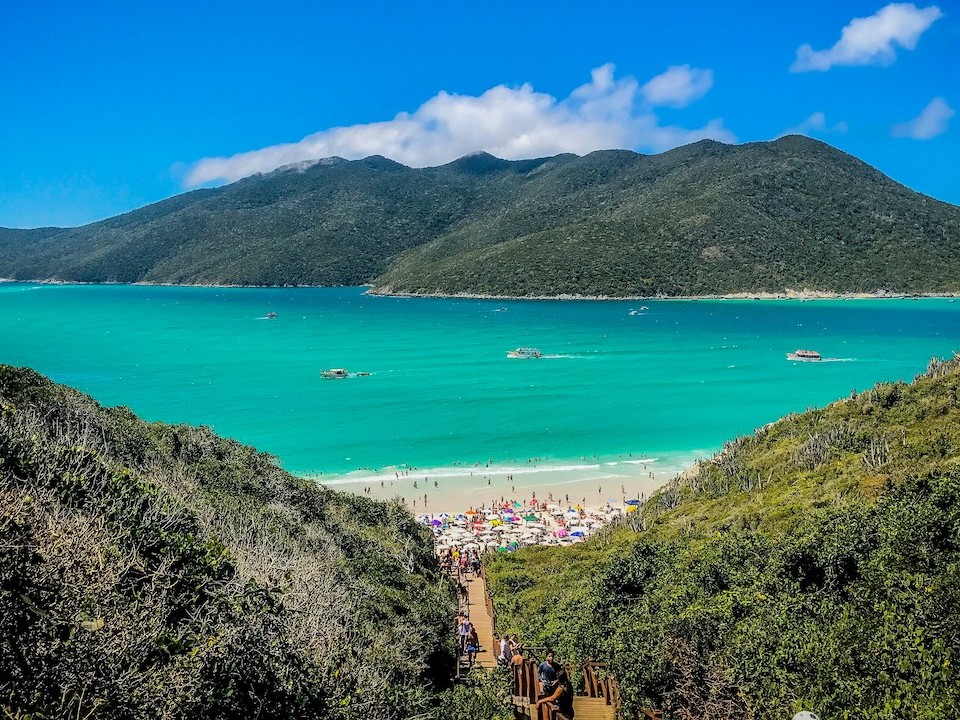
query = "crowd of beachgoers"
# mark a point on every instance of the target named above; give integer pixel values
(507, 525)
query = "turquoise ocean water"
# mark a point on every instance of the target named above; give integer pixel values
(672, 381)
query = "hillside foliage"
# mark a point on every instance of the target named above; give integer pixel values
(157, 571)
(814, 565)
(702, 219)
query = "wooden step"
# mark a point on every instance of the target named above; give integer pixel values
(592, 709)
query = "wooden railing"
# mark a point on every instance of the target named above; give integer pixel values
(489, 602)
(598, 682)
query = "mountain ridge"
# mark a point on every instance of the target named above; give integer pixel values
(701, 219)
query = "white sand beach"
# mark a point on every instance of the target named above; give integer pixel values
(589, 482)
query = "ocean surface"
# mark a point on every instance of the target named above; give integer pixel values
(655, 381)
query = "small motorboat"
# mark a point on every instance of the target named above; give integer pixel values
(524, 353)
(271, 315)
(805, 356)
(334, 374)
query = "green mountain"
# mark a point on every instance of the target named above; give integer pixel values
(157, 571)
(814, 565)
(706, 218)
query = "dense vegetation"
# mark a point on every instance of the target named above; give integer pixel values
(814, 565)
(706, 218)
(156, 571)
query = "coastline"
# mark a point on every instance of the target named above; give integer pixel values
(789, 294)
(587, 481)
(373, 291)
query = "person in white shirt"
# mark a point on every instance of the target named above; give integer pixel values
(503, 656)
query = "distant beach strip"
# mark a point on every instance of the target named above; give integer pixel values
(589, 481)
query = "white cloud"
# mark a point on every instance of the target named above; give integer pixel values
(871, 40)
(510, 123)
(678, 86)
(931, 122)
(816, 123)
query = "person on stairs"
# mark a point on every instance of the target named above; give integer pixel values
(562, 695)
(548, 673)
(473, 645)
(463, 631)
(503, 650)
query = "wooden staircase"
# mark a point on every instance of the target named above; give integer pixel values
(601, 697)
(480, 610)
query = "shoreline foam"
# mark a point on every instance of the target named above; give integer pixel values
(453, 489)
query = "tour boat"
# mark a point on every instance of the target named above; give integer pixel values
(524, 352)
(808, 355)
(333, 374)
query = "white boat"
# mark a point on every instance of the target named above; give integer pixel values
(524, 353)
(805, 355)
(334, 374)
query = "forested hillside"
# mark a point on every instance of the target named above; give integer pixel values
(706, 218)
(157, 571)
(814, 565)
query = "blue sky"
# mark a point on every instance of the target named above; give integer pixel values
(107, 106)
